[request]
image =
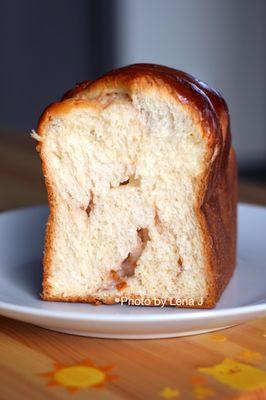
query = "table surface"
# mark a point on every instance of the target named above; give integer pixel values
(40, 364)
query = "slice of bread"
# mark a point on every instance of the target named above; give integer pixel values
(141, 181)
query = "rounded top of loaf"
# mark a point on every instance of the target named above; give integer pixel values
(206, 105)
(207, 102)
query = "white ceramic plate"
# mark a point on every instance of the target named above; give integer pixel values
(21, 245)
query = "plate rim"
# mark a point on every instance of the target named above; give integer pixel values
(194, 314)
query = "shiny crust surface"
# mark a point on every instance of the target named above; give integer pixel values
(216, 207)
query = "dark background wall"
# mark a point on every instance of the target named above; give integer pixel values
(45, 48)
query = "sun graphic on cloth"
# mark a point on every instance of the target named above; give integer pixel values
(79, 376)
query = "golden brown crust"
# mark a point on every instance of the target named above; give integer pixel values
(216, 208)
(80, 87)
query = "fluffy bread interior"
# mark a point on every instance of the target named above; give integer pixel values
(125, 173)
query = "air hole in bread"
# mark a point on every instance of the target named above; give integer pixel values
(90, 206)
(128, 266)
(132, 181)
(143, 234)
(158, 222)
(180, 264)
(124, 182)
(107, 98)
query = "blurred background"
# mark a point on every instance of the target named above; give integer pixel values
(48, 46)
